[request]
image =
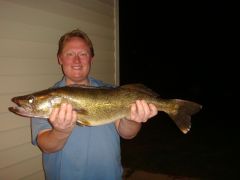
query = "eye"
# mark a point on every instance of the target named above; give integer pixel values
(31, 99)
(70, 54)
(83, 54)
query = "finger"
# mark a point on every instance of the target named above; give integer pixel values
(146, 110)
(68, 115)
(71, 116)
(54, 114)
(153, 110)
(133, 112)
(74, 118)
(140, 111)
(62, 113)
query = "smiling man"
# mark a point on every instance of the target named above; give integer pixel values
(80, 152)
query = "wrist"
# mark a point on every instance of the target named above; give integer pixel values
(60, 134)
(129, 121)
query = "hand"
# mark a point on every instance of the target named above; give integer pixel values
(63, 119)
(141, 111)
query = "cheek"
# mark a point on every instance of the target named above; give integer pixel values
(64, 62)
(89, 62)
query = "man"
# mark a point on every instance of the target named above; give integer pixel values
(75, 152)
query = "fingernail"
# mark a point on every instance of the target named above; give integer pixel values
(63, 104)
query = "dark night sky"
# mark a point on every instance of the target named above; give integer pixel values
(183, 50)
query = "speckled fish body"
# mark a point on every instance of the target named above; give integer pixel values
(101, 105)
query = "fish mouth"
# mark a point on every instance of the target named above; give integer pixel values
(20, 109)
(24, 109)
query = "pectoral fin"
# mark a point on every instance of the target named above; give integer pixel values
(83, 122)
(82, 115)
(81, 111)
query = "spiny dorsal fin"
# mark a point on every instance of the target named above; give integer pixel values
(141, 88)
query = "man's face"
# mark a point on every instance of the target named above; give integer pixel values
(76, 61)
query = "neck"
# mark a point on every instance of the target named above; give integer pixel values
(82, 82)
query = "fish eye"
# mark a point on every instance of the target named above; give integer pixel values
(31, 99)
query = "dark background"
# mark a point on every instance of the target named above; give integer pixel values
(183, 50)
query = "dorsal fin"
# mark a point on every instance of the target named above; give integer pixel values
(141, 88)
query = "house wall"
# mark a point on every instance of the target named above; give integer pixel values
(29, 35)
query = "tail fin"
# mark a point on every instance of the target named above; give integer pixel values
(182, 112)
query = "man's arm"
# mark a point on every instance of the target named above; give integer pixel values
(140, 112)
(63, 121)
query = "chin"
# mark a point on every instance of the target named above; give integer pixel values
(78, 80)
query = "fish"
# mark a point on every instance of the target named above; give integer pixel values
(101, 105)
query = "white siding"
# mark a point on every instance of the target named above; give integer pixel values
(29, 35)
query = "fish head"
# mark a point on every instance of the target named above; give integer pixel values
(35, 105)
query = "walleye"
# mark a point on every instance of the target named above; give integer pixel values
(101, 105)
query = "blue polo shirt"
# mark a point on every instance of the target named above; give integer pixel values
(90, 153)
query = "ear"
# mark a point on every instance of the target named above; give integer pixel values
(59, 60)
(91, 60)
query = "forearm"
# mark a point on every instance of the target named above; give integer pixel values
(63, 120)
(51, 141)
(128, 129)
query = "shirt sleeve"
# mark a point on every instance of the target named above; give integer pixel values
(37, 125)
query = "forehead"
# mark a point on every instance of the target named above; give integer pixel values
(75, 42)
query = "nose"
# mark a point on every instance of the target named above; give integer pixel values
(16, 100)
(77, 59)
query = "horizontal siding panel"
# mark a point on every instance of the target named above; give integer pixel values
(94, 5)
(102, 65)
(29, 66)
(93, 30)
(27, 32)
(15, 137)
(103, 44)
(21, 170)
(67, 9)
(35, 176)
(16, 155)
(26, 49)
(10, 121)
(50, 20)
(5, 103)
(45, 35)
(104, 55)
(14, 84)
(106, 77)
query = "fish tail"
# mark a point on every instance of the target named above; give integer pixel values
(181, 111)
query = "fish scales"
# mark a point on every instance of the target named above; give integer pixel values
(100, 105)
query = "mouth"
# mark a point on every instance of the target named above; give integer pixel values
(19, 109)
(76, 67)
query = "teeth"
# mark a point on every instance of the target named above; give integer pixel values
(76, 67)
